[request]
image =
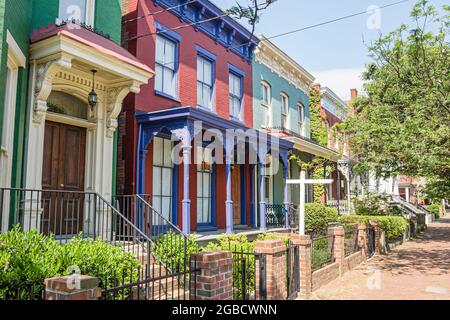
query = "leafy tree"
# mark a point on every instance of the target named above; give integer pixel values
(402, 125)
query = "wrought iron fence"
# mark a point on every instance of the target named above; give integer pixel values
(293, 217)
(25, 291)
(351, 239)
(151, 282)
(249, 275)
(341, 205)
(293, 271)
(370, 230)
(322, 251)
(275, 215)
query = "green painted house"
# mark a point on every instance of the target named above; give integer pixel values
(59, 118)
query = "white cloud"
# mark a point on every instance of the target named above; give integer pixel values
(340, 80)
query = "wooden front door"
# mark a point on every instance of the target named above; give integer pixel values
(63, 173)
(236, 194)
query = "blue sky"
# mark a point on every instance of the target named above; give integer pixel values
(334, 53)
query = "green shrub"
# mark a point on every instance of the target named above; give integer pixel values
(393, 226)
(372, 205)
(26, 259)
(273, 236)
(170, 249)
(318, 216)
(434, 209)
(237, 244)
(111, 264)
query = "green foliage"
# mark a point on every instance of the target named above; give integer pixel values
(237, 244)
(170, 248)
(320, 253)
(371, 205)
(317, 119)
(434, 209)
(402, 125)
(273, 236)
(393, 226)
(318, 216)
(27, 258)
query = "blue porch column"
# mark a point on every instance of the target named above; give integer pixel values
(262, 199)
(229, 147)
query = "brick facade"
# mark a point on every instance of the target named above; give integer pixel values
(75, 287)
(275, 252)
(214, 281)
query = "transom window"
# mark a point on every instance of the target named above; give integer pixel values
(284, 110)
(66, 104)
(162, 177)
(301, 118)
(204, 83)
(166, 66)
(204, 186)
(235, 83)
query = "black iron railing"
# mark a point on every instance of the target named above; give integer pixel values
(292, 271)
(293, 217)
(351, 239)
(151, 282)
(25, 291)
(341, 205)
(370, 236)
(275, 215)
(322, 251)
(249, 275)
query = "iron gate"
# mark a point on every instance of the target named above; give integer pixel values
(370, 241)
(293, 271)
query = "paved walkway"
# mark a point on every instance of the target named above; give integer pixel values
(418, 269)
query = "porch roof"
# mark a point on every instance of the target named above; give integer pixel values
(89, 37)
(175, 117)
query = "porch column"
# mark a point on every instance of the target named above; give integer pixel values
(262, 200)
(229, 200)
(184, 135)
(284, 158)
(407, 194)
(186, 203)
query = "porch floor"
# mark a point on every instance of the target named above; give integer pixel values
(203, 238)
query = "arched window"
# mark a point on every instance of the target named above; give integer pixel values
(284, 110)
(66, 104)
(266, 101)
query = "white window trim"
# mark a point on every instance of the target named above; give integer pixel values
(90, 13)
(284, 95)
(301, 120)
(267, 122)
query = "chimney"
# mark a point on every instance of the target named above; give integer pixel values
(354, 94)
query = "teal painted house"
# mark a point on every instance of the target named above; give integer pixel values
(281, 107)
(58, 118)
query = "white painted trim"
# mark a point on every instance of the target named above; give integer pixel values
(14, 51)
(90, 12)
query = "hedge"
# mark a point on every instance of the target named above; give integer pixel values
(434, 209)
(317, 218)
(393, 226)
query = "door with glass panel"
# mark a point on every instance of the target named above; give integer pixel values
(204, 188)
(162, 181)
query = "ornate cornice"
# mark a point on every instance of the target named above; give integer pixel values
(283, 65)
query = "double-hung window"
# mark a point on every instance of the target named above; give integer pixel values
(284, 110)
(205, 83)
(235, 83)
(166, 66)
(162, 177)
(301, 118)
(265, 103)
(204, 187)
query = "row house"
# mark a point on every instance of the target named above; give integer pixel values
(63, 78)
(203, 86)
(281, 108)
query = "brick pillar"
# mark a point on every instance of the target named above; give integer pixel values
(214, 281)
(338, 246)
(304, 243)
(74, 287)
(378, 244)
(275, 253)
(362, 239)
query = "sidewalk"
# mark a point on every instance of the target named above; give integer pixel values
(419, 269)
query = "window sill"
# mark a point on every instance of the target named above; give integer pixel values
(233, 118)
(206, 228)
(212, 111)
(167, 96)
